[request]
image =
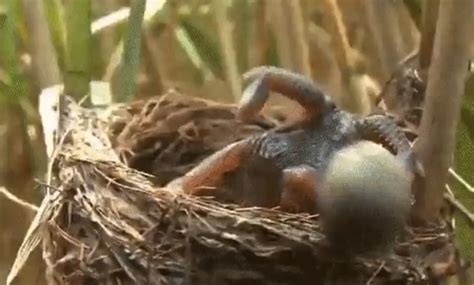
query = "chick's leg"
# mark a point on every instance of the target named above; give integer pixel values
(299, 189)
(295, 86)
(383, 130)
(203, 179)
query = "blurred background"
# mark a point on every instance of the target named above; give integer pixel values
(201, 47)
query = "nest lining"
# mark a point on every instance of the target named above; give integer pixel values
(106, 222)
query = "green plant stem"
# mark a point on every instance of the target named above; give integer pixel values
(78, 48)
(44, 62)
(54, 13)
(131, 54)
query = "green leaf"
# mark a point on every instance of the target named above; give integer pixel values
(8, 40)
(204, 45)
(191, 49)
(54, 15)
(13, 82)
(464, 166)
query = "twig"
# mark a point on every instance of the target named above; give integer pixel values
(67, 237)
(10, 196)
(110, 20)
(371, 279)
(461, 180)
(449, 191)
(188, 259)
(458, 205)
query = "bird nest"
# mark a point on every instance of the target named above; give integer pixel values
(107, 218)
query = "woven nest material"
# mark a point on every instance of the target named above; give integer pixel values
(104, 221)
